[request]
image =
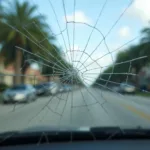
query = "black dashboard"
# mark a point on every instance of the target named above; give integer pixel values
(92, 139)
(90, 145)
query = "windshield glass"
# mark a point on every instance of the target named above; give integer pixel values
(84, 63)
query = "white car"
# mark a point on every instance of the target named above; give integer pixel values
(127, 88)
(19, 93)
(52, 88)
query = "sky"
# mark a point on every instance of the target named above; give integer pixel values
(86, 12)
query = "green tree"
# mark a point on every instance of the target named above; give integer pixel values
(21, 17)
(126, 59)
(146, 35)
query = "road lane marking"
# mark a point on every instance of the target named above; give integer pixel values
(136, 111)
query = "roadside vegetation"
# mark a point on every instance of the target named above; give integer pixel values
(25, 38)
(128, 65)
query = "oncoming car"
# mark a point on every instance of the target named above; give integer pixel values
(19, 93)
(127, 88)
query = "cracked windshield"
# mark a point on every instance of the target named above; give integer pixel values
(74, 63)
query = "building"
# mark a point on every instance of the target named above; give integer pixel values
(6, 72)
(31, 76)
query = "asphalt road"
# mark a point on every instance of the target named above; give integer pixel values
(84, 107)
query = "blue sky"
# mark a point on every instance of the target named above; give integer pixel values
(88, 11)
(128, 27)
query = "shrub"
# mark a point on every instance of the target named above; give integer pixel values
(3, 87)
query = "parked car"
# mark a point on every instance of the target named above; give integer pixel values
(67, 88)
(19, 93)
(47, 88)
(40, 89)
(51, 88)
(61, 88)
(54, 88)
(127, 88)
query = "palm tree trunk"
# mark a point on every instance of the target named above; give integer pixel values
(18, 62)
(25, 65)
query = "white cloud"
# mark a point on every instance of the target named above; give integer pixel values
(79, 17)
(72, 51)
(75, 47)
(124, 32)
(141, 10)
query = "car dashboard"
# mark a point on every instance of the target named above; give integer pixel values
(90, 145)
(94, 139)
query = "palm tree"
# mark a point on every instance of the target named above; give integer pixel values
(21, 17)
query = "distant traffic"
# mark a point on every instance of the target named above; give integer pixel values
(27, 93)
